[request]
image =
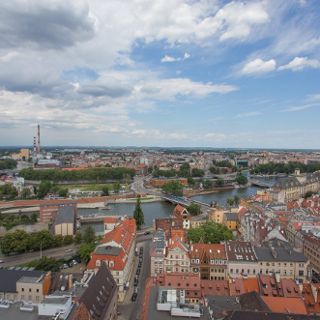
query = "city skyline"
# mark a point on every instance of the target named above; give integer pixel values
(152, 73)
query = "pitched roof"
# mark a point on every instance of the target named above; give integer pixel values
(207, 251)
(96, 299)
(66, 214)
(285, 305)
(278, 254)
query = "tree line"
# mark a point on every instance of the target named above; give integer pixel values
(290, 167)
(8, 164)
(91, 174)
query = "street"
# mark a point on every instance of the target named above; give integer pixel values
(128, 309)
(60, 252)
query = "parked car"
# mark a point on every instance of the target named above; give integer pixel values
(135, 290)
(147, 232)
(134, 297)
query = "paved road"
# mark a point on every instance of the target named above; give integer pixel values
(131, 310)
(61, 252)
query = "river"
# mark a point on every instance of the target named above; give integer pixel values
(161, 209)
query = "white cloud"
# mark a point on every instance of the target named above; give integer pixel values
(168, 58)
(258, 66)
(300, 63)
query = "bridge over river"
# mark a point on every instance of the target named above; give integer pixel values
(262, 183)
(184, 201)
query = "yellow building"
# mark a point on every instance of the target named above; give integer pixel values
(217, 215)
(231, 220)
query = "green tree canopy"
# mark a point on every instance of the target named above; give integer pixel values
(194, 209)
(88, 235)
(138, 214)
(105, 190)
(209, 232)
(174, 188)
(241, 179)
(85, 251)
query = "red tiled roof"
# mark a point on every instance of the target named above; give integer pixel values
(215, 287)
(311, 296)
(285, 305)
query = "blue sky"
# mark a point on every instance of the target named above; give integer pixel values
(161, 73)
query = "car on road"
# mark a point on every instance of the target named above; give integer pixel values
(68, 250)
(65, 266)
(134, 297)
(138, 271)
(147, 233)
(1, 261)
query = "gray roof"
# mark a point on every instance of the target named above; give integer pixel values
(231, 216)
(278, 254)
(65, 215)
(8, 278)
(253, 315)
(27, 279)
(109, 250)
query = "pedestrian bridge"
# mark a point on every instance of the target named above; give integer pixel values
(261, 183)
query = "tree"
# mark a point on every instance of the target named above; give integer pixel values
(7, 164)
(89, 235)
(78, 237)
(230, 201)
(45, 264)
(241, 179)
(43, 189)
(85, 251)
(236, 200)
(207, 184)
(25, 193)
(194, 209)
(138, 214)
(174, 188)
(67, 240)
(210, 232)
(191, 181)
(308, 194)
(219, 182)
(184, 170)
(63, 192)
(116, 187)
(195, 172)
(105, 190)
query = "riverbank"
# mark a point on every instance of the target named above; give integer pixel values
(215, 190)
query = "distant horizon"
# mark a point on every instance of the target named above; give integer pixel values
(163, 147)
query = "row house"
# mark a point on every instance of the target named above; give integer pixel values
(157, 253)
(311, 249)
(177, 257)
(242, 261)
(117, 250)
(182, 215)
(209, 261)
(283, 261)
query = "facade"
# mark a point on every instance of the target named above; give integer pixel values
(157, 253)
(65, 221)
(209, 261)
(181, 214)
(293, 188)
(49, 211)
(177, 257)
(231, 220)
(283, 261)
(311, 249)
(242, 261)
(28, 286)
(117, 251)
(217, 215)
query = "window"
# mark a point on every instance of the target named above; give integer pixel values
(22, 289)
(37, 290)
(29, 289)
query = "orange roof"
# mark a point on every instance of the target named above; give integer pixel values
(178, 233)
(178, 210)
(311, 296)
(251, 284)
(124, 235)
(285, 305)
(111, 219)
(236, 287)
(214, 251)
(215, 287)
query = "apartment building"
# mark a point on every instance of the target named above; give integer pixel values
(311, 249)
(283, 261)
(157, 253)
(177, 257)
(242, 260)
(117, 251)
(209, 261)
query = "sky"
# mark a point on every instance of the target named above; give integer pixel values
(185, 73)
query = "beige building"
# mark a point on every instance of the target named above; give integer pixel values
(177, 257)
(217, 215)
(283, 261)
(157, 253)
(311, 249)
(65, 221)
(295, 187)
(28, 286)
